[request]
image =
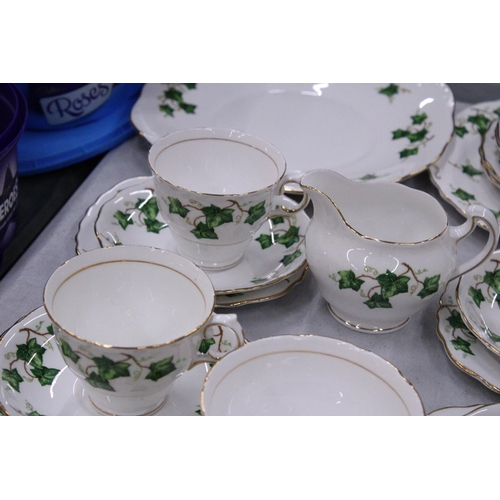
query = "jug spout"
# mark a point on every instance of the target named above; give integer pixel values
(323, 187)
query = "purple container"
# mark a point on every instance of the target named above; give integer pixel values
(13, 115)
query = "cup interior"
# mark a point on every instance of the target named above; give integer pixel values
(217, 161)
(129, 297)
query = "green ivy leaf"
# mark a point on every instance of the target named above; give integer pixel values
(376, 301)
(348, 280)
(175, 207)
(431, 285)
(493, 336)
(477, 296)
(160, 369)
(419, 118)
(203, 231)
(123, 219)
(45, 375)
(391, 284)
(493, 279)
(390, 90)
(265, 241)
(31, 352)
(288, 259)
(109, 369)
(205, 345)
(462, 345)
(463, 195)
(481, 122)
(417, 136)
(461, 131)
(154, 226)
(290, 237)
(216, 216)
(408, 152)
(277, 220)
(456, 321)
(98, 382)
(255, 213)
(188, 108)
(173, 94)
(34, 414)
(168, 110)
(68, 352)
(148, 208)
(471, 171)
(399, 134)
(12, 377)
(190, 86)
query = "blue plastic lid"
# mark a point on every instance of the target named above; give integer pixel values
(45, 150)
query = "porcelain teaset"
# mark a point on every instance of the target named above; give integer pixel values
(378, 252)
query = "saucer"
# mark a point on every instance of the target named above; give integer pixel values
(128, 215)
(458, 175)
(479, 302)
(490, 152)
(306, 375)
(364, 131)
(453, 411)
(461, 345)
(36, 382)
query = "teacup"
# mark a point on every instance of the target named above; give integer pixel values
(215, 189)
(129, 320)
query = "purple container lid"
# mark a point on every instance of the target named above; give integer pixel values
(13, 105)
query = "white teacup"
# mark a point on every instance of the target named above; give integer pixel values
(215, 188)
(129, 320)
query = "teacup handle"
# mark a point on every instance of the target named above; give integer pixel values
(474, 214)
(293, 178)
(221, 335)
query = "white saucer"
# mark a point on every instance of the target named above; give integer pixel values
(365, 131)
(265, 272)
(458, 174)
(462, 346)
(306, 375)
(479, 301)
(453, 411)
(45, 386)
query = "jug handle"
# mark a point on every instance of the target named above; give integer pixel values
(293, 178)
(474, 214)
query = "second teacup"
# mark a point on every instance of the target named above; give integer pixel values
(215, 189)
(129, 320)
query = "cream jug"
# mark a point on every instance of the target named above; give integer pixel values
(380, 251)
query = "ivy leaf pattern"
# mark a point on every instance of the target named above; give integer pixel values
(205, 345)
(12, 377)
(265, 240)
(109, 369)
(456, 321)
(149, 208)
(462, 345)
(471, 171)
(255, 213)
(463, 195)
(216, 216)
(45, 375)
(493, 279)
(175, 207)
(290, 237)
(392, 284)
(348, 280)
(480, 121)
(161, 369)
(68, 352)
(203, 231)
(431, 286)
(288, 259)
(461, 131)
(172, 99)
(95, 380)
(390, 91)
(477, 296)
(31, 352)
(378, 301)
(124, 220)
